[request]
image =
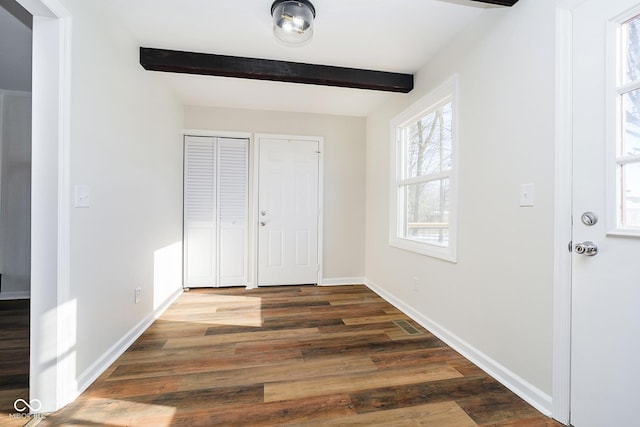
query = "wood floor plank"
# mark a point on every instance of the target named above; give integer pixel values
(122, 389)
(355, 382)
(275, 324)
(177, 354)
(499, 407)
(356, 299)
(373, 319)
(214, 340)
(416, 358)
(537, 421)
(165, 329)
(392, 397)
(370, 347)
(111, 413)
(279, 373)
(295, 412)
(203, 364)
(15, 343)
(445, 414)
(305, 343)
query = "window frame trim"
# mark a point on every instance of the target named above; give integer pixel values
(616, 87)
(428, 103)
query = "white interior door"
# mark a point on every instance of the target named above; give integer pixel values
(200, 228)
(605, 372)
(215, 211)
(288, 212)
(233, 211)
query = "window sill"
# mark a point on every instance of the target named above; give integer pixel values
(624, 233)
(445, 253)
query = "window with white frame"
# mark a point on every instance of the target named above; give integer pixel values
(628, 129)
(423, 175)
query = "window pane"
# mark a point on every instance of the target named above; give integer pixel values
(630, 183)
(631, 122)
(427, 212)
(631, 34)
(428, 143)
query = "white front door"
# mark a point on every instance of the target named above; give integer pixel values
(288, 211)
(605, 354)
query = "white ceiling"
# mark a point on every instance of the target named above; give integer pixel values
(396, 35)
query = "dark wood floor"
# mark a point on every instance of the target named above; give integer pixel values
(14, 358)
(303, 355)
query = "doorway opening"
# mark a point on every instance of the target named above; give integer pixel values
(16, 35)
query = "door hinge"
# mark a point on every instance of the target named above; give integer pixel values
(570, 246)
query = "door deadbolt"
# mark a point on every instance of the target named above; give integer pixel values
(589, 218)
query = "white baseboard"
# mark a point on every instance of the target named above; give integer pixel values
(341, 281)
(110, 356)
(527, 391)
(4, 296)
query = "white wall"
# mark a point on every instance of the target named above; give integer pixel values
(15, 194)
(126, 146)
(344, 173)
(15, 49)
(498, 298)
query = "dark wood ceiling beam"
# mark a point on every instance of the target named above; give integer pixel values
(265, 69)
(499, 2)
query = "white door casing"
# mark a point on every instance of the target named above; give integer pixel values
(605, 288)
(288, 211)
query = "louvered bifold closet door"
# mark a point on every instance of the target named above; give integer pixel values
(200, 228)
(216, 220)
(233, 218)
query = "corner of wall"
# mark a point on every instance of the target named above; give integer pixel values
(527, 391)
(86, 378)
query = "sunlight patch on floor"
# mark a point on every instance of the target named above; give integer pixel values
(215, 309)
(114, 412)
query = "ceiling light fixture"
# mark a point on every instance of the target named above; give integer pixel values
(293, 21)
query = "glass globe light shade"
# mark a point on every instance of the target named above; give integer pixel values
(293, 21)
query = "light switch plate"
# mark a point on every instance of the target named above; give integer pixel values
(526, 195)
(82, 197)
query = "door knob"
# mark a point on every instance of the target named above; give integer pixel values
(586, 248)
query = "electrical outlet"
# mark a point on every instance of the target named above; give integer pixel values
(138, 292)
(416, 284)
